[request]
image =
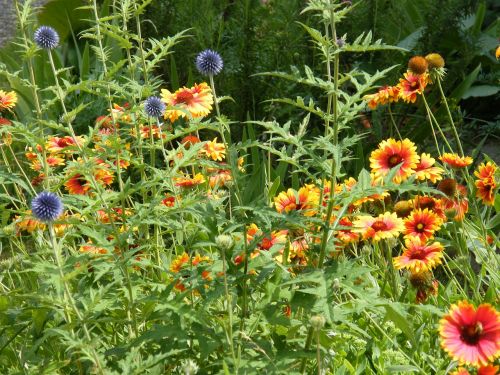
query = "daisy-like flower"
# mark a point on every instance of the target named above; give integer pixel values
(483, 370)
(422, 224)
(178, 262)
(47, 206)
(61, 144)
(469, 335)
(4, 122)
(8, 100)
(458, 205)
(169, 201)
(46, 37)
(433, 204)
(188, 181)
(387, 94)
(426, 170)
(412, 85)
(386, 225)
(197, 101)
(346, 235)
(27, 223)
(215, 151)
(419, 257)
(220, 179)
(391, 153)
(304, 200)
(209, 62)
(77, 184)
(455, 161)
(190, 140)
(52, 161)
(486, 183)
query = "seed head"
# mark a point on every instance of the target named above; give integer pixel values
(435, 60)
(418, 64)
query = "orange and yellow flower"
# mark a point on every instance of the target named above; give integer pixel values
(412, 85)
(27, 223)
(387, 94)
(195, 101)
(8, 100)
(486, 183)
(220, 179)
(56, 145)
(455, 161)
(422, 224)
(187, 181)
(471, 336)
(458, 205)
(390, 153)
(77, 184)
(305, 200)
(426, 170)
(419, 257)
(386, 225)
(346, 235)
(215, 151)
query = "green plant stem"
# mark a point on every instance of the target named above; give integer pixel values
(69, 298)
(318, 352)
(393, 123)
(450, 117)
(229, 306)
(303, 364)
(432, 118)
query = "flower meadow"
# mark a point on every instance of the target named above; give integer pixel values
(146, 232)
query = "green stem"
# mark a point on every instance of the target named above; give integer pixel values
(450, 117)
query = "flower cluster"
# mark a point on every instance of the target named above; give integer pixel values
(486, 182)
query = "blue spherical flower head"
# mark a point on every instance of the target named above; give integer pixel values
(209, 62)
(154, 106)
(46, 37)
(47, 206)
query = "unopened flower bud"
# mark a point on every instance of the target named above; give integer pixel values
(317, 322)
(435, 60)
(224, 242)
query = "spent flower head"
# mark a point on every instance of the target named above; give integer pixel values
(209, 62)
(47, 206)
(46, 37)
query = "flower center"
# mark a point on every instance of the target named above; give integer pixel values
(420, 227)
(395, 160)
(471, 334)
(379, 226)
(184, 97)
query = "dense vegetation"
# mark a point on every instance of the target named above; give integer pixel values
(244, 187)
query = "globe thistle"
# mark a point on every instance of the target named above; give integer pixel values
(154, 106)
(47, 206)
(209, 62)
(46, 37)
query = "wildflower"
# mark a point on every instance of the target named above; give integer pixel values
(457, 206)
(488, 370)
(425, 284)
(419, 257)
(448, 186)
(190, 140)
(168, 201)
(58, 144)
(47, 206)
(189, 182)
(4, 121)
(104, 122)
(486, 183)
(178, 262)
(145, 132)
(426, 170)
(391, 153)
(46, 37)
(220, 179)
(104, 176)
(345, 234)
(92, 249)
(267, 242)
(197, 101)
(303, 200)
(403, 208)
(385, 95)
(412, 85)
(386, 225)
(215, 151)
(456, 161)
(52, 161)
(77, 184)
(469, 335)
(418, 65)
(433, 204)
(27, 223)
(435, 60)
(154, 107)
(422, 224)
(209, 62)
(8, 100)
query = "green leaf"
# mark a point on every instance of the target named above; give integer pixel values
(480, 91)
